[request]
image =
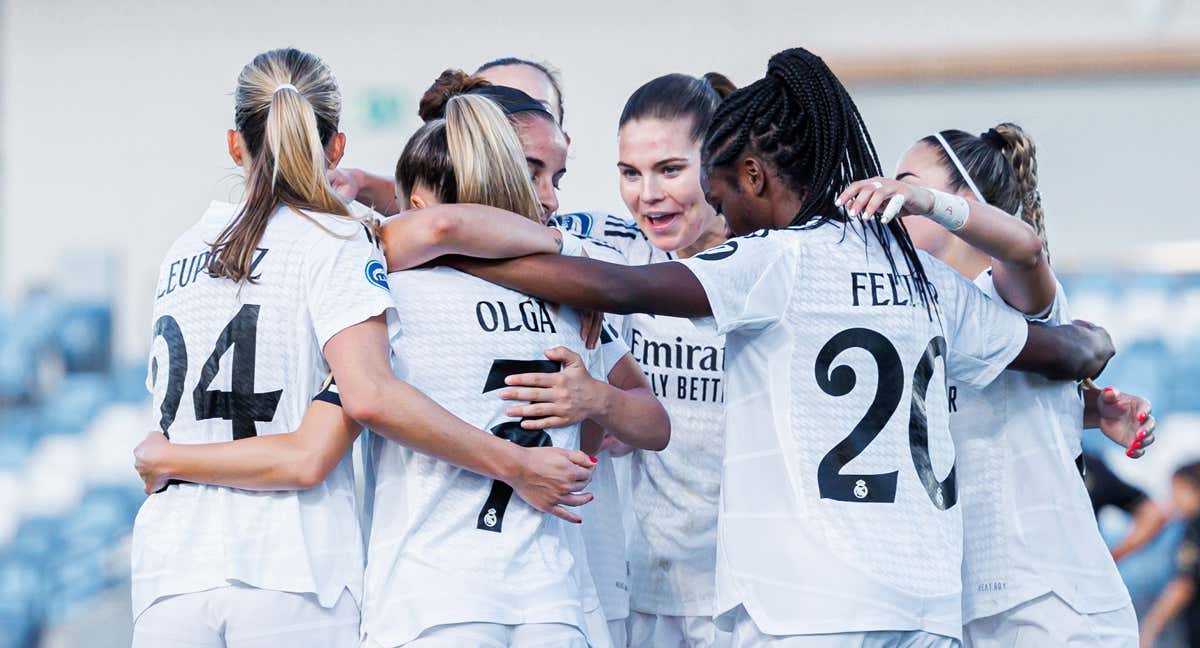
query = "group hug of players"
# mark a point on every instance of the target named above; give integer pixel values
(788, 401)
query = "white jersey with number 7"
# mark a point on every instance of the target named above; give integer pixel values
(838, 497)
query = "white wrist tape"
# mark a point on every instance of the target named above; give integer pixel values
(949, 210)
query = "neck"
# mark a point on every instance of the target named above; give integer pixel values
(965, 260)
(712, 235)
(785, 207)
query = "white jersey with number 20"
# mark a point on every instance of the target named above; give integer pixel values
(838, 498)
(232, 360)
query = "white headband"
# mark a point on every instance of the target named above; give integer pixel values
(285, 85)
(962, 170)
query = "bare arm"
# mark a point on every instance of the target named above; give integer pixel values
(375, 191)
(413, 238)
(1069, 352)
(291, 461)
(1020, 268)
(1148, 521)
(659, 288)
(631, 412)
(1170, 603)
(547, 478)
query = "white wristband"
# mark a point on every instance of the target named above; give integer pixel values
(949, 210)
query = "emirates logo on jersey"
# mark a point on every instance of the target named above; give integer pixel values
(860, 489)
(490, 519)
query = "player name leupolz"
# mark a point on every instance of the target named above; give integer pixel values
(184, 271)
(672, 366)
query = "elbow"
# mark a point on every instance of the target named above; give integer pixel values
(364, 405)
(312, 470)
(662, 438)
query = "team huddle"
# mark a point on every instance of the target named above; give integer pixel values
(787, 401)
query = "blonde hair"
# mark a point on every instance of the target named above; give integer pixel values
(286, 107)
(473, 155)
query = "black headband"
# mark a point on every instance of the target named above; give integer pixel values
(511, 100)
(993, 137)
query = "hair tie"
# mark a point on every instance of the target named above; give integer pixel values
(283, 86)
(962, 170)
(993, 137)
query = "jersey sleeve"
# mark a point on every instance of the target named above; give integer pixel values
(611, 347)
(748, 281)
(983, 335)
(347, 284)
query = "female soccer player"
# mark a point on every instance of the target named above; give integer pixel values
(1035, 569)
(838, 522)
(216, 566)
(673, 546)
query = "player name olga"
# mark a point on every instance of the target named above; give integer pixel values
(528, 315)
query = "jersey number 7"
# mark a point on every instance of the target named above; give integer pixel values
(491, 516)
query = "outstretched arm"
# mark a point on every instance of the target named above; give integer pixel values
(1069, 352)
(413, 238)
(1147, 521)
(659, 288)
(291, 461)
(1020, 268)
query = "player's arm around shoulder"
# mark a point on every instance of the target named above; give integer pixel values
(295, 460)
(416, 237)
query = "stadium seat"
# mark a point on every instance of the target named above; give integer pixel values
(84, 336)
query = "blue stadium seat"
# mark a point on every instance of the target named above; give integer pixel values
(84, 336)
(21, 594)
(129, 383)
(1184, 392)
(19, 430)
(76, 402)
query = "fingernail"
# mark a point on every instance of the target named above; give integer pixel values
(594, 460)
(851, 213)
(1129, 453)
(1141, 417)
(837, 202)
(1108, 390)
(1141, 435)
(1136, 445)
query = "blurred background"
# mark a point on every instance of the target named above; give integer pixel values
(112, 141)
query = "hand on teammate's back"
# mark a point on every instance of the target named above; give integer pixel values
(1126, 419)
(344, 182)
(554, 399)
(550, 478)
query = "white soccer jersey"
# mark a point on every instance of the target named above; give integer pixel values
(234, 360)
(447, 545)
(838, 501)
(1028, 528)
(673, 542)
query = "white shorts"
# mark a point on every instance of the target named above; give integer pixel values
(495, 635)
(1048, 621)
(747, 635)
(655, 630)
(239, 616)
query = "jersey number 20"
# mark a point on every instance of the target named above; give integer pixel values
(840, 380)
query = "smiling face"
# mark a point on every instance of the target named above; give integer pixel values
(660, 183)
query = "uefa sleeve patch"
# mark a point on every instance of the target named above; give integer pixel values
(376, 274)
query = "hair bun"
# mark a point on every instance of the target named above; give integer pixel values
(720, 83)
(449, 83)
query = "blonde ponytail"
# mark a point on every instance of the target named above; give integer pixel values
(489, 164)
(286, 107)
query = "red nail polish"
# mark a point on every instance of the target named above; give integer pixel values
(594, 460)
(1141, 417)
(1136, 445)
(1141, 435)
(1129, 453)
(1108, 390)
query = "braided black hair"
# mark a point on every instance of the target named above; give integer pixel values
(801, 119)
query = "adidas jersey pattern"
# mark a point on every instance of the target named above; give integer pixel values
(1028, 523)
(230, 361)
(448, 545)
(838, 501)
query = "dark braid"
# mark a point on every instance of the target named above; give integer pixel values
(801, 119)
